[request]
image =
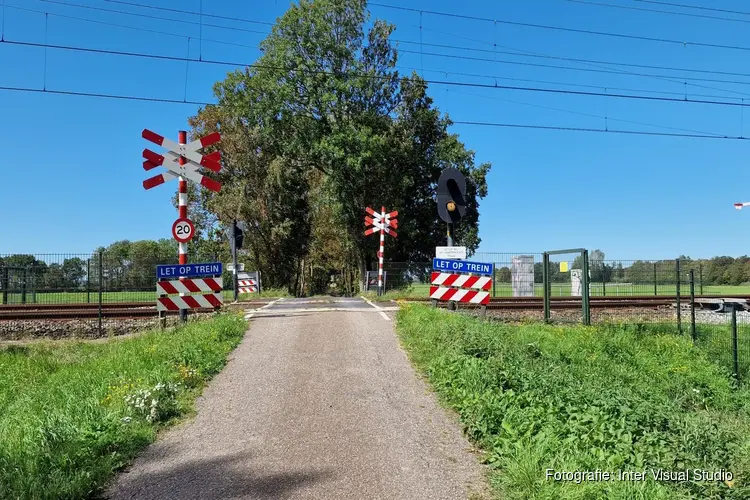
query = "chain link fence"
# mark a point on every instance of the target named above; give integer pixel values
(82, 295)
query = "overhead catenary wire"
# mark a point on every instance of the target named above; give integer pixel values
(455, 122)
(217, 62)
(696, 7)
(457, 47)
(592, 70)
(167, 9)
(580, 113)
(518, 52)
(567, 29)
(525, 53)
(659, 11)
(194, 23)
(367, 75)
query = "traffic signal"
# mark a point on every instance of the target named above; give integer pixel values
(451, 195)
(239, 236)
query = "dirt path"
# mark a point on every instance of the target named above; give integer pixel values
(312, 405)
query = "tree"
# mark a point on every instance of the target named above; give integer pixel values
(325, 119)
(503, 275)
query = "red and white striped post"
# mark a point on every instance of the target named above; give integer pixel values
(380, 254)
(182, 214)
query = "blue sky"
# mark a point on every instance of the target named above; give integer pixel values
(71, 172)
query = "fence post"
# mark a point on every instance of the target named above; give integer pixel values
(5, 282)
(101, 281)
(655, 291)
(88, 281)
(604, 283)
(735, 360)
(545, 284)
(494, 279)
(23, 284)
(679, 305)
(585, 294)
(700, 276)
(692, 305)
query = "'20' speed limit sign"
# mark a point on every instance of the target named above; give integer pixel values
(182, 230)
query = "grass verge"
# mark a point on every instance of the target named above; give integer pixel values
(72, 413)
(537, 397)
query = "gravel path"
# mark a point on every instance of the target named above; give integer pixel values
(312, 405)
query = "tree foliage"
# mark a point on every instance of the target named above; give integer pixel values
(322, 127)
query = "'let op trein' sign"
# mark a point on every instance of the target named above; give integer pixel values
(463, 266)
(189, 270)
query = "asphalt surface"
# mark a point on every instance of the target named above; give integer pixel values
(319, 401)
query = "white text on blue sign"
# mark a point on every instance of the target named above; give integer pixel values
(189, 270)
(462, 266)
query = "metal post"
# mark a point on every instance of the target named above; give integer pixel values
(585, 291)
(655, 291)
(23, 284)
(700, 276)
(679, 306)
(101, 281)
(545, 284)
(380, 253)
(735, 358)
(182, 212)
(234, 261)
(88, 281)
(604, 285)
(692, 305)
(5, 283)
(494, 279)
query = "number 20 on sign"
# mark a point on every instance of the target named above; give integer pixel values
(183, 230)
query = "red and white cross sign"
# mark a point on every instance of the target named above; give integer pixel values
(191, 158)
(385, 223)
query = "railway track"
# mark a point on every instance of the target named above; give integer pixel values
(596, 302)
(118, 310)
(133, 310)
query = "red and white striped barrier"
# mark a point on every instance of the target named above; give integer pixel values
(459, 295)
(247, 286)
(461, 280)
(189, 302)
(189, 285)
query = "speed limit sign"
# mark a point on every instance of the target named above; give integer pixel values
(182, 230)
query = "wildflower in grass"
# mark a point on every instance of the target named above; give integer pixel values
(155, 404)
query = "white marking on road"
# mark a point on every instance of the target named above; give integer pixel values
(379, 309)
(252, 312)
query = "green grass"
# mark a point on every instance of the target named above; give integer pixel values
(108, 297)
(584, 398)
(65, 426)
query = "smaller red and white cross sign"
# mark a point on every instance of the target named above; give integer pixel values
(171, 160)
(385, 223)
(382, 221)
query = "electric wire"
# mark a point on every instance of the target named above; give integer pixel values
(367, 75)
(455, 122)
(517, 52)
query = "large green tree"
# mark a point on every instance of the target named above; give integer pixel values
(323, 126)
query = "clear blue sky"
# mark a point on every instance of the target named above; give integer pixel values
(71, 171)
